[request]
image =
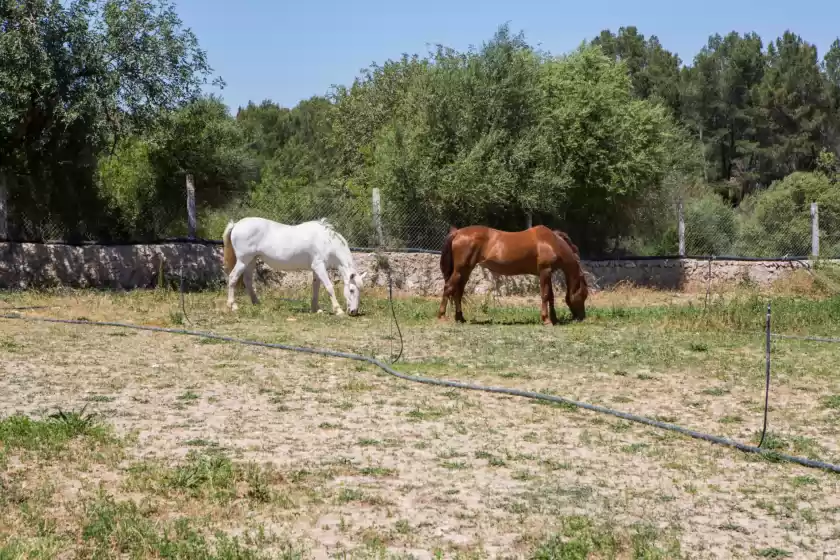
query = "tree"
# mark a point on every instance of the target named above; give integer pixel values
(719, 104)
(144, 180)
(494, 133)
(831, 73)
(75, 77)
(793, 108)
(654, 71)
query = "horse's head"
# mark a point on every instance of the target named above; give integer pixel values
(576, 296)
(352, 290)
(577, 300)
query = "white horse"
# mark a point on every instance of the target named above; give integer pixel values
(314, 245)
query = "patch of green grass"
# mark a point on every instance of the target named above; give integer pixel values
(206, 475)
(205, 340)
(199, 442)
(715, 391)
(492, 460)
(8, 345)
(203, 475)
(580, 538)
(347, 495)
(427, 414)
(377, 471)
(128, 530)
(634, 447)
(799, 481)
(188, 396)
(832, 401)
(773, 553)
(99, 398)
(52, 434)
(796, 445)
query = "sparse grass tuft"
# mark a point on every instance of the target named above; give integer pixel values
(581, 538)
(127, 529)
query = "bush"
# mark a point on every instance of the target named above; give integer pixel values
(711, 227)
(777, 221)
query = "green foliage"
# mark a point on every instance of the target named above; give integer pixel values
(76, 77)
(654, 71)
(144, 181)
(488, 135)
(778, 220)
(711, 226)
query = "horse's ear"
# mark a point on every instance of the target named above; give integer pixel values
(362, 275)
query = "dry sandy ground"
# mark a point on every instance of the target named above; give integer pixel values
(408, 468)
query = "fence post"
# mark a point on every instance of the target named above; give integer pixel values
(377, 217)
(529, 220)
(815, 230)
(681, 227)
(4, 207)
(191, 215)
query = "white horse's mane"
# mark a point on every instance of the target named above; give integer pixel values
(329, 227)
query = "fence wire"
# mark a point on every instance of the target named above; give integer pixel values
(709, 227)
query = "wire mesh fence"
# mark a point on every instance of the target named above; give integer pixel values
(36, 210)
(373, 220)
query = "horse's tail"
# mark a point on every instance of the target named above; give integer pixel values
(229, 258)
(447, 261)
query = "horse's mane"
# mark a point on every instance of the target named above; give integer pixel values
(565, 236)
(329, 227)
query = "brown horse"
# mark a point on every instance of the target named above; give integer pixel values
(538, 251)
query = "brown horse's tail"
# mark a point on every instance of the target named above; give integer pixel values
(229, 256)
(447, 260)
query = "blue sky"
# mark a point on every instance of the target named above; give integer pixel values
(288, 51)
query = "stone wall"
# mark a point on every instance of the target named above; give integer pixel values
(30, 265)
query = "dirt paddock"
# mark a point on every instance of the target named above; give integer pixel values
(198, 447)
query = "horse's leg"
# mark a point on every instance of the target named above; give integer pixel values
(316, 288)
(235, 274)
(545, 295)
(552, 313)
(448, 292)
(248, 280)
(443, 301)
(460, 283)
(321, 272)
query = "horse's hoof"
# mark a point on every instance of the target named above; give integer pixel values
(233, 307)
(318, 311)
(339, 312)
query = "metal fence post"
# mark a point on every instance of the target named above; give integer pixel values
(377, 217)
(191, 214)
(4, 207)
(529, 220)
(681, 227)
(815, 230)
